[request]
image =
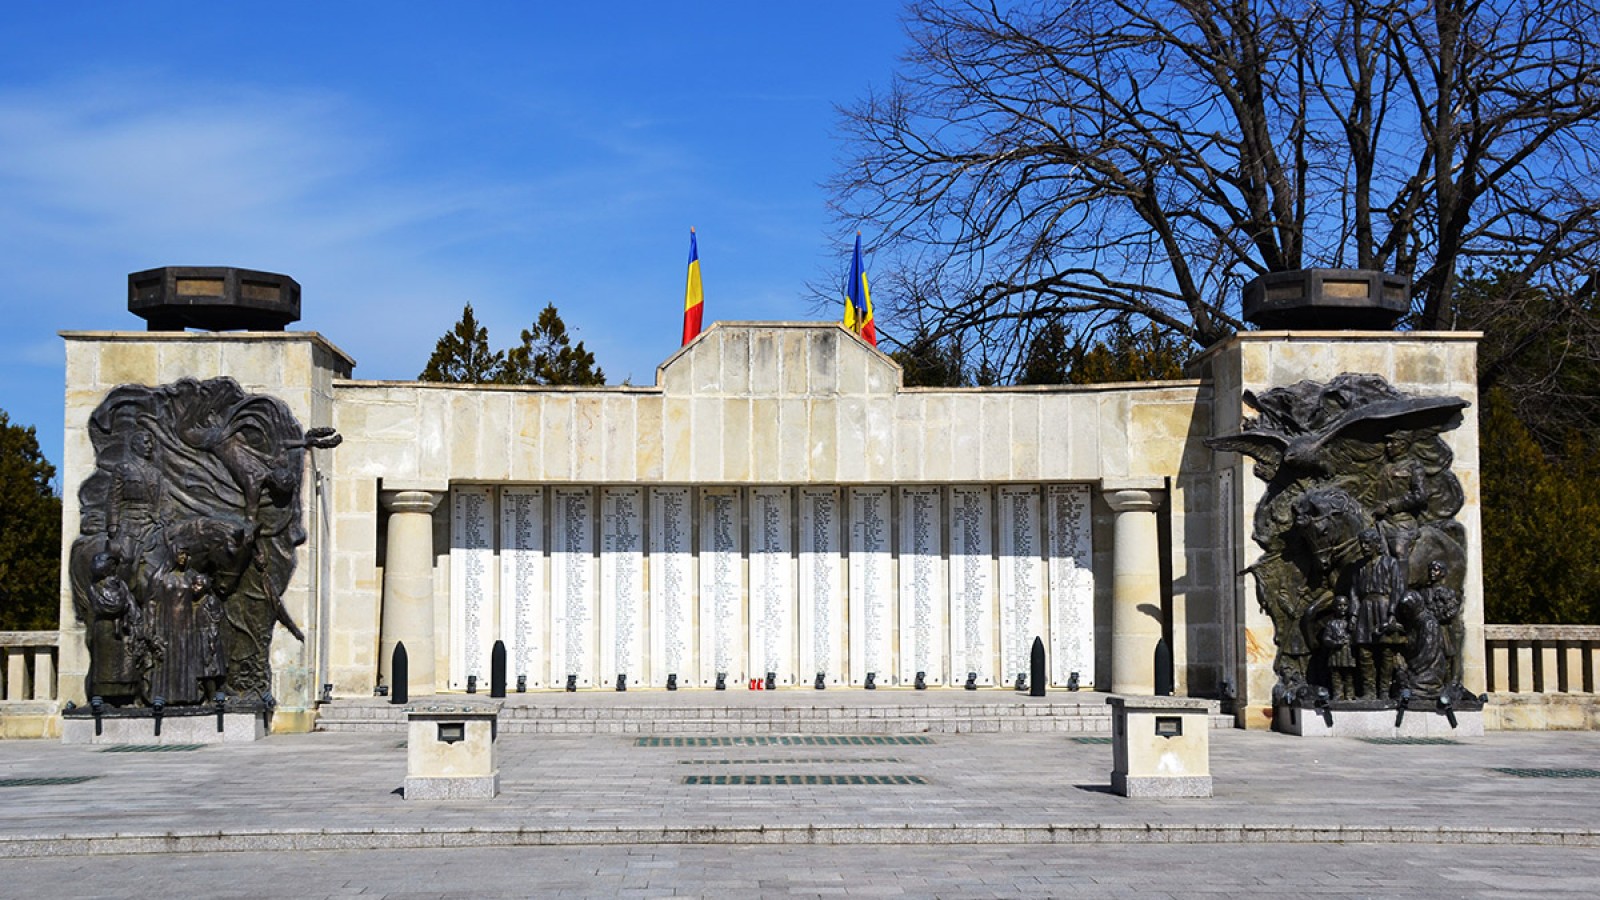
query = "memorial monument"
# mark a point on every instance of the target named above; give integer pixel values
(776, 505)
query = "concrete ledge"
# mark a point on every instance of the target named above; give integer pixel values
(462, 787)
(1542, 712)
(793, 712)
(1161, 786)
(26, 719)
(187, 729)
(1376, 723)
(64, 845)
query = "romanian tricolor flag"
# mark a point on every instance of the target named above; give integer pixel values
(694, 298)
(858, 300)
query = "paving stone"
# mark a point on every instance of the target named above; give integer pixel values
(1330, 817)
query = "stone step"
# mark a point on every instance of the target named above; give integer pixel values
(663, 714)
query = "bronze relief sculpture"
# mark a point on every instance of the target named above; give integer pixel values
(188, 535)
(1363, 558)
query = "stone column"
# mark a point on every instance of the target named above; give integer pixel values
(408, 587)
(1135, 590)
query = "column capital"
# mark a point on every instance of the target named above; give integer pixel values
(411, 501)
(1133, 499)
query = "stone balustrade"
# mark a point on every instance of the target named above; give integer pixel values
(28, 665)
(1542, 659)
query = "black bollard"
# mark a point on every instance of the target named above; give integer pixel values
(1164, 680)
(497, 670)
(399, 677)
(1449, 710)
(1036, 674)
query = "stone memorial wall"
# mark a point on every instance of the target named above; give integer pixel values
(474, 583)
(798, 582)
(821, 595)
(779, 501)
(524, 603)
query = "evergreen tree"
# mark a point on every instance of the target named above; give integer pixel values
(30, 533)
(1148, 354)
(1124, 355)
(463, 356)
(931, 363)
(1049, 359)
(1541, 522)
(548, 356)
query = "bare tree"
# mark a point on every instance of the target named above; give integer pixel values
(1100, 161)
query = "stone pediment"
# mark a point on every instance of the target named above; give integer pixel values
(778, 359)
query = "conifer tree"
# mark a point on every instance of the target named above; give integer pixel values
(548, 356)
(30, 533)
(463, 356)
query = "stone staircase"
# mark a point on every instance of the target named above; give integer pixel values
(754, 713)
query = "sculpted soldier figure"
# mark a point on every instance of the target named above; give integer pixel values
(1426, 667)
(115, 624)
(1376, 585)
(1402, 498)
(213, 655)
(134, 515)
(1444, 603)
(1338, 655)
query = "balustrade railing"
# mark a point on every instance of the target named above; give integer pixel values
(28, 665)
(1542, 659)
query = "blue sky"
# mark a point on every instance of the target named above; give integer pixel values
(402, 159)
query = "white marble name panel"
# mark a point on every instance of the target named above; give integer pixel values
(1022, 583)
(972, 602)
(573, 630)
(822, 609)
(872, 601)
(922, 586)
(622, 603)
(523, 610)
(1071, 583)
(472, 584)
(672, 587)
(772, 602)
(722, 632)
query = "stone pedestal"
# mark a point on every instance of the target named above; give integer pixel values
(450, 753)
(1161, 747)
(1135, 589)
(1376, 723)
(408, 588)
(176, 728)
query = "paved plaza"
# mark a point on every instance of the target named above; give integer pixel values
(987, 814)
